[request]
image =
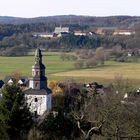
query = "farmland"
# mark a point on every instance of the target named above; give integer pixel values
(56, 69)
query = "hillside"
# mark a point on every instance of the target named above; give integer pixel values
(73, 19)
(18, 35)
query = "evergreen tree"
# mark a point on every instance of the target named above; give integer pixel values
(57, 127)
(15, 117)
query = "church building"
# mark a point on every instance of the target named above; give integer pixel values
(38, 95)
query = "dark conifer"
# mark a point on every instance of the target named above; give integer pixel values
(15, 116)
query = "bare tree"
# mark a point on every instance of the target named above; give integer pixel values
(100, 55)
(79, 64)
(89, 119)
(90, 128)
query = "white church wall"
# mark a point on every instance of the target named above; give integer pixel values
(37, 103)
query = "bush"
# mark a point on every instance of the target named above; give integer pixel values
(73, 57)
(79, 64)
(100, 55)
(91, 63)
(63, 56)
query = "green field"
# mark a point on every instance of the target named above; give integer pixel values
(9, 65)
(63, 70)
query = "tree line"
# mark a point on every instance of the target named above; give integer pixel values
(26, 41)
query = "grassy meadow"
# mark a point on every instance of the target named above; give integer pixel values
(10, 65)
(56, 69)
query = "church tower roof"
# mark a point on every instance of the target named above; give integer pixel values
(38, 56)
(38, 59)
(38, 53)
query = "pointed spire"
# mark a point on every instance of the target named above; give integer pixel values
(38, 80)
(38, 56)
(38, 53)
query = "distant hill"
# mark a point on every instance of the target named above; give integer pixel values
(73, 19)
(8, 19)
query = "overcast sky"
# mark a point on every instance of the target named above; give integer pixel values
(35, 8)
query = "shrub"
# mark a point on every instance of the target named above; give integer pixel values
(79, 64)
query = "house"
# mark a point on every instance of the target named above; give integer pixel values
(38, 95)
(129, 54)
(91, 33)
(105, 30)
(22, 81)
(44, 35)
(8, 80)
(62, 34)
(100, 31)
(79, 33)
(123, 32)
(60, 29)
(131, 98)
(95, 88)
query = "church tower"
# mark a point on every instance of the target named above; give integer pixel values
(38, 80)
(38, 95)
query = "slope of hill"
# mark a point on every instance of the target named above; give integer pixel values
(8, 19)
(73, 19)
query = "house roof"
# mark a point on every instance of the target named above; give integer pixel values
(31, 91)
(23, 79)
(123, 31)
(7, 78)
(78, 31)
